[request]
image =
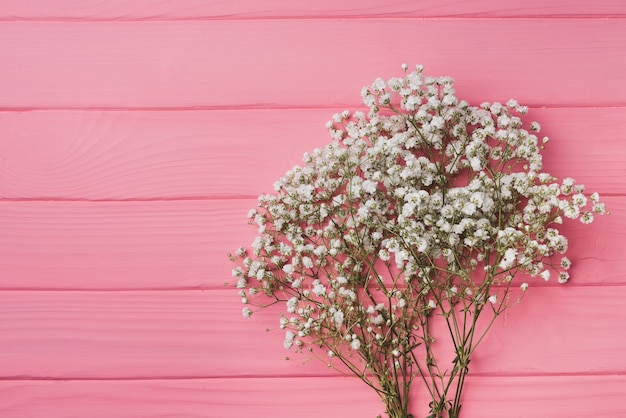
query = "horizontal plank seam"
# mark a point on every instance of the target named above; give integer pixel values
(190, 289)
(227, 286)
(338, 375)
(259, 107)
(130, 199)
(168, 199)
(385, 17)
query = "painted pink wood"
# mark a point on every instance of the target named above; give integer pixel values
(337, 397)
(241, 397)
(134, 135)
(305, 63)
(146, 155)
(251, 9)
(183, 244)
(111, 155)
(120, 245)
(201, 334)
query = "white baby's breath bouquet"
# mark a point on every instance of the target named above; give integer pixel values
(424, 208)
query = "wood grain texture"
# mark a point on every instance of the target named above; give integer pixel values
(215, 398)
(135, 135)
(295, 63)
(202, 334)
(250, 9)
(118, 155)
(183, 244)
(130, 245)
(337, 397)
(152, 155)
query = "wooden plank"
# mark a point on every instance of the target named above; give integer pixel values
(519, 397)
(145, 155)
(163, 335)
(543, 396)
(586, 144)
(183, 244)
(237, 398)
(201, 334)
(113, 155)
(250, 9)
(120, 245)
(307, 63)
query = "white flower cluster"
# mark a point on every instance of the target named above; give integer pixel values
(424, 201)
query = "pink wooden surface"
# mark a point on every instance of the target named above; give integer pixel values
(310, 397)
(182, 244)
(143, 155)
(252, 9)
(158, 335)
(135, 136)
(304, 62)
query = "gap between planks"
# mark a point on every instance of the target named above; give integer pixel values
(130, 199)
(228, 286)
(252, 198)
(263, 107)
(339, 17)
(338, 375)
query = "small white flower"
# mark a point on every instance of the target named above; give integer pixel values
(370, 186)
(355, 344)
(292, 304)
(378, 320)
(508, 258)
(437, 122)
(599, 208)
(421, 245)
(469, 208)
(379, 84)
(493, 299)
(512, 103)
(338, 318)
(571, 212)
(586, 218)
(307, 262)
(289, 337)
(524, 287)
(579, 199)
(246, 312)
(318, 288)
(545, 275)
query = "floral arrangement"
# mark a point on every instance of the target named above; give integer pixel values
(424, 208)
